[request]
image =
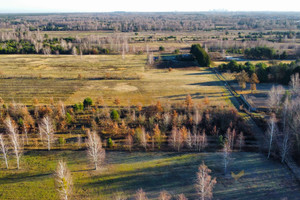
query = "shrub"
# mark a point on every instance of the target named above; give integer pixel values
(114, 115)
(69, 118)
(78, 107)
(87, 102)
(161, 48)
(176, 51)
(109, 143)
(61, 141)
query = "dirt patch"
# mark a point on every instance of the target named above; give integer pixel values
(123, 87)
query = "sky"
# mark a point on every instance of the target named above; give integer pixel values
(28, 6)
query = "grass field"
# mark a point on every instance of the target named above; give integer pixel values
(126, 172)
(24, 77)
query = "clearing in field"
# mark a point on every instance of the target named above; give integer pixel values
(72, 78)
(126, 172)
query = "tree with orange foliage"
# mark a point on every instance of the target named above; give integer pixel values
(157, 135)
(117, 101)
(158, 107)
(206, 100)
(139, 107)
(188, 101)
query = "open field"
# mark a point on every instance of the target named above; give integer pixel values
(27, 76)
(126, 172)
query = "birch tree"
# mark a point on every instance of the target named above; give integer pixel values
(272, 131)
(144, 138)
(94, 149)
(4, 150)
(274, 98)
(226, 156)
(63, 180)
(140, 195)
(181, 197)
(285, 145)
(12, 131)
(164, 195)
(205, 183)
(129, 142)
(240, 142)
(46, 130)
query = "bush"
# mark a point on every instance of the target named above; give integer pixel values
(176, 51)
(109, 143)
(69, 118)
(114, 115)
(87, 102)
(61, 141)
(78, 107)
(161, 48)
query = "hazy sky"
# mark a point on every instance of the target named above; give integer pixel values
(140, 5)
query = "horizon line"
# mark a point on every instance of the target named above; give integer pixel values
(99, 12)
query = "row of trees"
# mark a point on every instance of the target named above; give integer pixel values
(276, 73)
(284, 122)
(134, 22)
(261, 53)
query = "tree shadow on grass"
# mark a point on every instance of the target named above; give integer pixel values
(20, 177)
(262, 178)
(208, 83)
(195, 95)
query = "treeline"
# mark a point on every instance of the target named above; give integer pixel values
(135, 22)
(260, 53)
(49, 46)
(276, 73)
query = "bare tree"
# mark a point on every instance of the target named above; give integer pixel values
(4, 150)
(15, 139)
(74, 51)
(119, 196)
(129, 142)
(25, 129)
(205, 183)
(63, 180)
(181, 197)
(47, 50)
(240, 142)
(140, 195)
(295, 83)
(188, 140)
(174, 137)
(46, 129)
(226, 156)
(150, 58)
(199, 141)
(272, 131)
(164, 195)
(94, 148)
(144, 138)
(285, 145)
(275, 95)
